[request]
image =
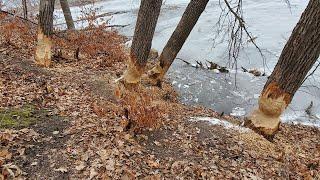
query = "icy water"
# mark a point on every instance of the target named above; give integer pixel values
(270, 21)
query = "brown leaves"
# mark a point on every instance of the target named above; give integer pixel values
(5, 154)
(98, 109)
(10, 171)
(142, 110)
(6, 137)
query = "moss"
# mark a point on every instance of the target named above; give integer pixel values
(18, 117)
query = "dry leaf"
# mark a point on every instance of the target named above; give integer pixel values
(98, 110)
(110, 165)
(93, 173)
(80, 167)
(61, 169)
(4, 153)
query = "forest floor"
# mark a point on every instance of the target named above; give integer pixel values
(70, 121)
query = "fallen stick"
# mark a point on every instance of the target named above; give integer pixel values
(95, 17)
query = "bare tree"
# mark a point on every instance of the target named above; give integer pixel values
(297, 58)
(142, 40)
(67, 13)
(178, 38)
(45, 28)
(25, 9)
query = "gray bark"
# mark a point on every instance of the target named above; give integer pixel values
(46, 16)
(67, 13)
(147, 20)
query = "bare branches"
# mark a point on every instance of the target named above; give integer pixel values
(232, 23)
(288, 4)
(311, 72)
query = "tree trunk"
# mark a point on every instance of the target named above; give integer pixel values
(25, 9)
(142, 40)
(297, 58)
(67, 13)
(178, 38)
(45, 28)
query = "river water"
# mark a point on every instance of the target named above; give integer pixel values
(235, 93)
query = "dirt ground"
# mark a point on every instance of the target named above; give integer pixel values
(81, 130)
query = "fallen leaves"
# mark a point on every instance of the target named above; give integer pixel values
(93, 173)
(81, 166)
(11, 171)
(98, 109)
(7, 136)
(5, 154)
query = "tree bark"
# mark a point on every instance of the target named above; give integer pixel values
(67, 13)
(297, 58)
(25, 9)
(45, 29)
(142, 40)
(189, 19)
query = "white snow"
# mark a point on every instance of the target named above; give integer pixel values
(223, 123)
(301, 118)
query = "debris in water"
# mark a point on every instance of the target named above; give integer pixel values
(238, 112)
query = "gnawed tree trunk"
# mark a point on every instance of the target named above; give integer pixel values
(297, 58)
(67, 13)
(142, 40)
(45, 28)
(178, 38)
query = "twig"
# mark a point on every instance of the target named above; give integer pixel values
(311, 72)
(96, 17)
(184, 61)
(89, 29)
(308, 110)
(12, 14)
(236, 34)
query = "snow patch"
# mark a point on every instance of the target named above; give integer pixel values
(300, 117)
(215, 121)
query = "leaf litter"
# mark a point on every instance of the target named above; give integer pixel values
(88, 132)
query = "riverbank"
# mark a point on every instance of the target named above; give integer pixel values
(78, 127)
